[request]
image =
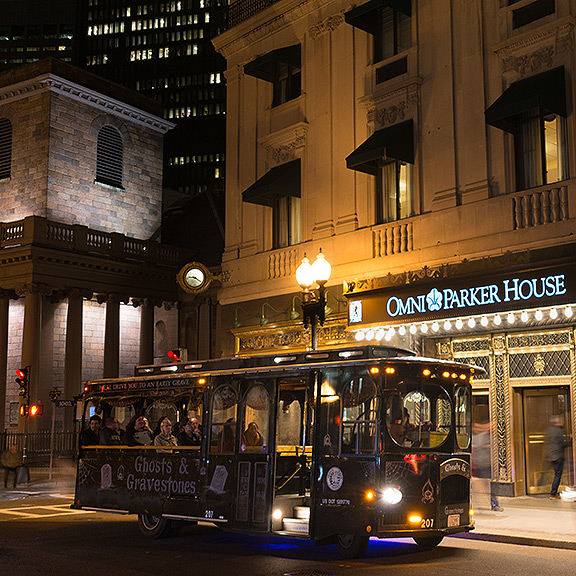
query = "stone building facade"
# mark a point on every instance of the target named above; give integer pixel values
(428, 148)
(85, 291)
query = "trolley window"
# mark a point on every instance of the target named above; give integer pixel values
(256, 419)
(419, 418)
(463, 417)
(223, 431)
(359, 417)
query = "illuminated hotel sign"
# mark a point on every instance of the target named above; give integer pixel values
(456, 297)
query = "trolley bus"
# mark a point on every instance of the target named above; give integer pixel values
(351, 443)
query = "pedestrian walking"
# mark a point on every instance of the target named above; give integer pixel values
(11, 460)
(481, 462)
(556, 443)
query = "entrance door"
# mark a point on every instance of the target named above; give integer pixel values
(254, 478)
(539, 406)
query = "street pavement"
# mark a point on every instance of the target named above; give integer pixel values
(525, 520)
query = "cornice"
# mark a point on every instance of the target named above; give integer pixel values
(281, 146)
(268, 22)
(58, 85)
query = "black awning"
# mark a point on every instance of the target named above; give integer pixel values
(546, 91)
(264, 66)
(365, 18)
(283, 180)
(396, 141)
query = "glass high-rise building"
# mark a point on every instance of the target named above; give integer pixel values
(163, 50)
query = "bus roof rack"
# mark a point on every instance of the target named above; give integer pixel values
(282, 358)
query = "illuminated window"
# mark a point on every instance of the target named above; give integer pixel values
(394, 191)
(5, 148)
(109, 157)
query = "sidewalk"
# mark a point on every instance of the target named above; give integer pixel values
(525, 520)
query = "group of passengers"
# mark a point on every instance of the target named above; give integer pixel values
(139, 433)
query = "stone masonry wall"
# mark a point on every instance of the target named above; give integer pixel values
(134, 211)
(24, 193)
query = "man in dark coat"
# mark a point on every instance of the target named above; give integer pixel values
(556, 442)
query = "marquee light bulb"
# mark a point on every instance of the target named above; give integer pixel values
(539, 315)
(497, 319)
(459, 324)
(435, 326)
(553, 313)
(524, 316)
(510, 318)
(471, 323)
(447, 325)
(568, 312)
(484, 321)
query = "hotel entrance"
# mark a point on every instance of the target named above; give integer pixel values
(538, 406)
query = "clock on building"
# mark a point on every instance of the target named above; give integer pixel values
(194, 277)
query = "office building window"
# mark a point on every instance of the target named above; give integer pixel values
(541, 150)
(110, 157)
(394, 191)
(286, 221)
(531, 12)
(5, 148)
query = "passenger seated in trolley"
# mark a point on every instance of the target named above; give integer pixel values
(165, 438)
(190, 434)
(138, 432)
(252, 436)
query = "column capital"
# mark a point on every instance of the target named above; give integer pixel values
(34, 288)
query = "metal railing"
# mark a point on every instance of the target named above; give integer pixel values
(38, 445)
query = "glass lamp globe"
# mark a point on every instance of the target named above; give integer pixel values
(304, 275)
(321, 269)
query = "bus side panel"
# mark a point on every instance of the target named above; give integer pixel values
(138, 481)
(219, 489)
(341, 503)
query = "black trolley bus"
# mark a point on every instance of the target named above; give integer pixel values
(333, 445)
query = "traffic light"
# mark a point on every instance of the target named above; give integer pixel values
(36, 409)
(22, 380)
(174, 355)
(23, 409)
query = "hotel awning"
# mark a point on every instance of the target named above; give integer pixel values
(264, 66)
(396, 141)
(283, 180)
(364, 16)
(546, 91)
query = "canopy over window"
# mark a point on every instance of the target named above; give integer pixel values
(546, 91)
(365, 18)
(396, 141)
(264, 67)
(283, 180)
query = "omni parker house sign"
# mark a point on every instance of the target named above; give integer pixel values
(453, 297)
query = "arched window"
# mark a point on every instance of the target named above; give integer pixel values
(5, 148)
(110, 157)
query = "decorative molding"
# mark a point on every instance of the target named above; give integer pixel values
(389, 108)
(327, 25)
(531, 54)
(281, 146)
(56, 84)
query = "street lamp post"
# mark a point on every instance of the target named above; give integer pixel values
(313, 303)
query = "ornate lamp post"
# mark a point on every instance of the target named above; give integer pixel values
(313, 303)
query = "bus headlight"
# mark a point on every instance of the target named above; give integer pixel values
(277, 514)
(391, 495)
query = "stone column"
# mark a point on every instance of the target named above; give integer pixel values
(4, 304)
(112, 338)
(73, 360)
(146, 332)
(31, 346)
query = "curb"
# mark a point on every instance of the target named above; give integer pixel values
(518, 540)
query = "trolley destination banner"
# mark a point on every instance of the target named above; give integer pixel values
(449, 297)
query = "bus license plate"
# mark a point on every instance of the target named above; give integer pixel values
(453, 520)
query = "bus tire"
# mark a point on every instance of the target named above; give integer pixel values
(154, 526)
(351, 545)
(428, 541)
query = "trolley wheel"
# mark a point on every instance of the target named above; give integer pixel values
(351, 545)
(154, 526)
(428, 541)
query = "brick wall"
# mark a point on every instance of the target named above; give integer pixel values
(16, 320)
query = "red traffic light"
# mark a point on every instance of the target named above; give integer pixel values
(36, 409)
(174, 354)
(21, 373)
